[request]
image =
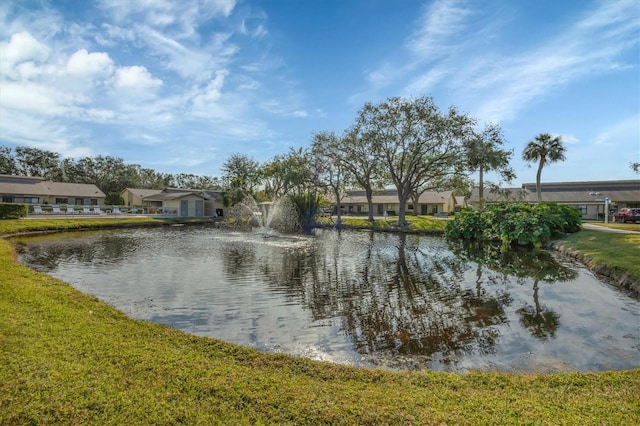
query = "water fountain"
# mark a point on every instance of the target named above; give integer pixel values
(246, 213)
(280, 215)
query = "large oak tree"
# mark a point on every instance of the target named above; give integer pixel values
(418, 143)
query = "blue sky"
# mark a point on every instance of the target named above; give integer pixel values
(178, 86)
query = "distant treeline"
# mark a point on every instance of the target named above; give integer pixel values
(110, 174)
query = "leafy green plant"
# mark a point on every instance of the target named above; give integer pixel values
(114, 198)
(13, 210)
(515, 223)
(307, 206)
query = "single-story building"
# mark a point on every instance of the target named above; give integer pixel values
(430, 202)
(589, 197)
(36, 190)
(185, 202)
(133, 196)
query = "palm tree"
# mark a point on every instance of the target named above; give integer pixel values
(544, 149)
(484, 153)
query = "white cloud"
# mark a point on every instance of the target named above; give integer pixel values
(191, 63)
(497, 86)
(27, 129)
(625, 132)
(424, 83)
(591, 46)
(35, 98)
(161, 24)
(439, 24)
(90, 65)
(20, 48)
(137, 79)
(435, 38)
(384, 74)
(567, 138)
(185, 16)
(247, 83)
(204, 99)
(254, 25)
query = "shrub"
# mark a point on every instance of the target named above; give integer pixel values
(515, 223)
(114, 198)
(13, 211)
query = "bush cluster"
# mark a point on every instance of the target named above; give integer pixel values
(13, 211)
(515, 223)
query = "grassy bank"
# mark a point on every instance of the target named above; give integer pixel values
(67, 358)
(12, 227)
(417, 224)
(613, 250)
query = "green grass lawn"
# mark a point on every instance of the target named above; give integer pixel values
(10, 227)
(418, 224)
(614, 250)
(67, 358)
(617, 225)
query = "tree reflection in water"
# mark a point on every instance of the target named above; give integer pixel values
(521, 263)
(45, 252)
(396, 298)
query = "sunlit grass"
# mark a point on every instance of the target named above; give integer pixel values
(424, 224)
(614, 250)
(619, 225)
(10, 227)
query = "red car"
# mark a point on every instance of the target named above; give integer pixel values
(627, 215)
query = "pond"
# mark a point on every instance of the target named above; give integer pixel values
(359, 298)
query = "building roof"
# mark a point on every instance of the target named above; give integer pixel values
(566, 192)
(174, 196)
(586, 186)
(140, 193)
(432, 197)
(22, 185)
(504, 194)
(175, 193)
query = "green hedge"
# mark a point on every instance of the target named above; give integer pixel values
(515, 223)
(13, 211)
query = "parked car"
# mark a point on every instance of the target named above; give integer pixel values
(627, 215)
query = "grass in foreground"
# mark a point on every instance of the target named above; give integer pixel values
(614, 250)
(67, 358)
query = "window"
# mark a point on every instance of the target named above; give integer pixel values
(582, 208)
(62, 201)
(26, 200)
(7, 199)
(410, 206)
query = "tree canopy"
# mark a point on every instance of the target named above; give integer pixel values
(484, 152)
(419, 145)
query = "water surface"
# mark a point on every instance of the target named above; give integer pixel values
(359, 298)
